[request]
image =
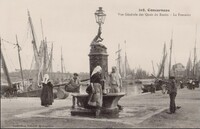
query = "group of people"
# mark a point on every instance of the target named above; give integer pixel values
(47, 96)
(95, 90)
(192, 84)
(97, 83)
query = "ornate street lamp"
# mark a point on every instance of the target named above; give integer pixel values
(100, 17)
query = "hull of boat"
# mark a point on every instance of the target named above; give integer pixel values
(33, 93)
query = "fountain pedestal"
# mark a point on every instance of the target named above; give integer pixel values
(98, 56)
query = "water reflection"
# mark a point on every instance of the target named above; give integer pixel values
(134, 89)
(129, 89)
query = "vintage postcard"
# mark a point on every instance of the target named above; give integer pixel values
(100, 63)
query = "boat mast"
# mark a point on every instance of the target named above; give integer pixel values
(20, 63)
(43, 48)
(188, 66)
(45, 54)
(35, 50)
(119, 58)
(194, 68)
(164, 56)
(162, 64)
(36, 53)
(125, 62)
(42, 29)
(61, 66)
(153, 67)
(5, 69)
(170, 55)
(50, 68)
(45, 51)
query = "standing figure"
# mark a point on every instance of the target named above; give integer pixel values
(15, 88)
(152, 88)
(74, 87)
(115, 83)
(172, 91)
(96, 96)
(190, 84)
(163, 86)
(47, 92)
(181, 85)
(74, 84)
(193, 84)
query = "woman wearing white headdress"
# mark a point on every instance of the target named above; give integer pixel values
(96, 96)
(47, 92)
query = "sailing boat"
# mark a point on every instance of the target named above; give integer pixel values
(43, 60)
(160, 75)
(119, 60)
(189, 67)
(126, 70)
(198, 70)
(194, 70)
(161, 70)
(42, 64)
(10, 89)
(5, 89)
(192, 73)
(123, 66)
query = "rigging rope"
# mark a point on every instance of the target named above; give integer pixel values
(26, 35)
(174, 55)
(5, 41)
(8, 57)
(31, 68)
(11, 62)
(24, 42)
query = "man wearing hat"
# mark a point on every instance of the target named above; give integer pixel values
(172, 91)
(73, 86)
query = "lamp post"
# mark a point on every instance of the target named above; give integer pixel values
(98, 57)
(100, 18)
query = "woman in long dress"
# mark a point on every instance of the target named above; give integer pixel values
(47, 92)
(96, 96)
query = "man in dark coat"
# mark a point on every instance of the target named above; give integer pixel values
(172, 91)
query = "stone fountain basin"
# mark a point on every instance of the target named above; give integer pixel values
(109, 107)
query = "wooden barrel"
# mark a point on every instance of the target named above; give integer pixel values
(62, 94)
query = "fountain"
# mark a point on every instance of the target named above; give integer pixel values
(98, 56)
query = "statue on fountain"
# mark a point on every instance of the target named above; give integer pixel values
(97, 38)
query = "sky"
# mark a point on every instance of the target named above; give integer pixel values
(71, 24)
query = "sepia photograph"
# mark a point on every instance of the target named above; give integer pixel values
(100, 63)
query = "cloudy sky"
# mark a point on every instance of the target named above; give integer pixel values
(70, 24)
